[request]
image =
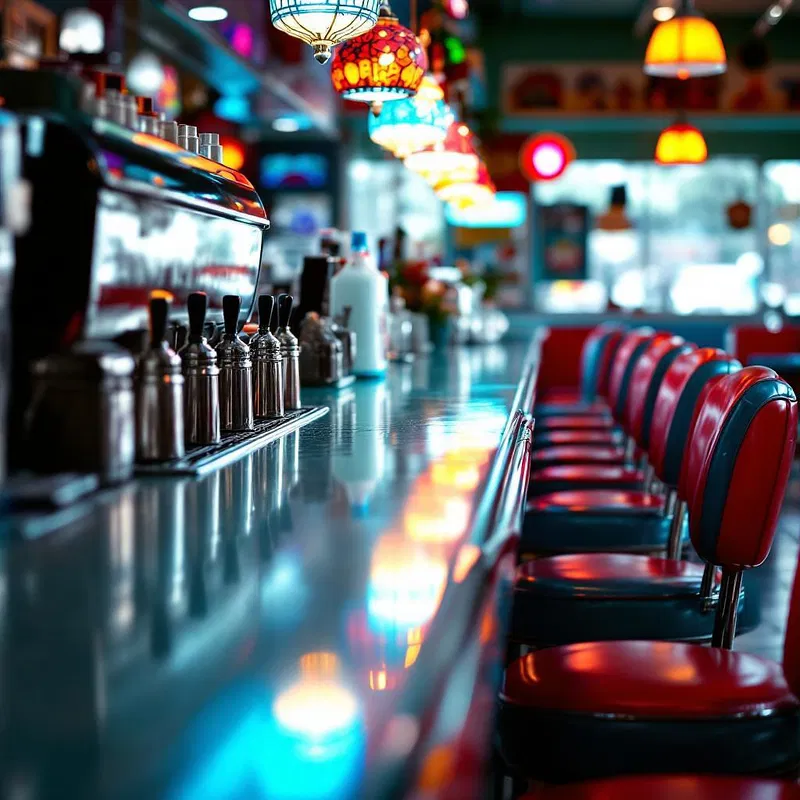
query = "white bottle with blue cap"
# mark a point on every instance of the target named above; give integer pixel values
(362, 288)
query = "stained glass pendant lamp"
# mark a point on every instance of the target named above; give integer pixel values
(410, 125)
(451, 161)
(681, 143)
(385, 63)
(686, 46)
(465, 194)
(324, 23)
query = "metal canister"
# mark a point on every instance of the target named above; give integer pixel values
(201, 379)
(265, 352)
(159, 393)
(341, 330)
(82, 414)
(236, 371)
(290, 350)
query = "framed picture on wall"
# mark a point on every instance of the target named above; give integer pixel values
(597, 88)
(562, 233)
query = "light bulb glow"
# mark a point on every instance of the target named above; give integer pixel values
(208, 13)
(145, 74)
(82, 31)
(779, 234)
(663, 13)
(285, 125)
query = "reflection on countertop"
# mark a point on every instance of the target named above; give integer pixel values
(241, 636)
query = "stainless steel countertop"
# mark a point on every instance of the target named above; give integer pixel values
(244, 635)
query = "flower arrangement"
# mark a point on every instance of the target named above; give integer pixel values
(423, 295)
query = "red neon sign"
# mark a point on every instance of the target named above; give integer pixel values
(546, 156)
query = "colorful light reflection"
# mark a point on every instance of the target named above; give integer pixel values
(406, 584)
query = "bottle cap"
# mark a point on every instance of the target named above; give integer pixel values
(358, 242)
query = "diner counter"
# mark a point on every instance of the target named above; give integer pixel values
(288, 626)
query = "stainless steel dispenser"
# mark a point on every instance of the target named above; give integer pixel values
(236, 371)
(159, 393)
(191, 225)
(290, 350)
(265, 351)
(201, 376)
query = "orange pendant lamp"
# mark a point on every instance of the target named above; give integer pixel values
(451, 161)
(468, 193)
(386, 63)
(686, 46)
(681, 143)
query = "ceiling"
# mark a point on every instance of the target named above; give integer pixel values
(615, 8)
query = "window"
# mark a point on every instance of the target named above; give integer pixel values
(680, 254)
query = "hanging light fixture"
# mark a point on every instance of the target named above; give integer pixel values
(410, 125)
(324, 23)
(453, 160)
(681, 143)
(465, 194)
(385, 63)
(685, 46)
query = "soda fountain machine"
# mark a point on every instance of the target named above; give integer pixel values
(138, 234)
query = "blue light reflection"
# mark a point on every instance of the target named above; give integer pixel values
(305, 743)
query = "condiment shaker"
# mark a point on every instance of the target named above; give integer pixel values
(320, 352)
(159, 393)
(201, 378)
(265, 352)
(290, 350)
(236, 371)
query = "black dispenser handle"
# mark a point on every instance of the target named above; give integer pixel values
(266, 306)
(285, 304)
(159, 314)
(231, 306)
(197, 305)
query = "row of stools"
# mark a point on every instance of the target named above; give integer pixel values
(652, 490)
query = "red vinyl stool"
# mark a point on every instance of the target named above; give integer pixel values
(631, 348)
(600, 709)
(645, 380)
(589, 400)
(585, 589)
(622, 521)
(672, 787)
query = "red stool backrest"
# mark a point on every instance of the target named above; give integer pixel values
(597, 356)
(631, 347)
(737, 466)
(646, 378)
(674, 409)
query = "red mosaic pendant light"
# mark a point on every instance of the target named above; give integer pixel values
(386, 63)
